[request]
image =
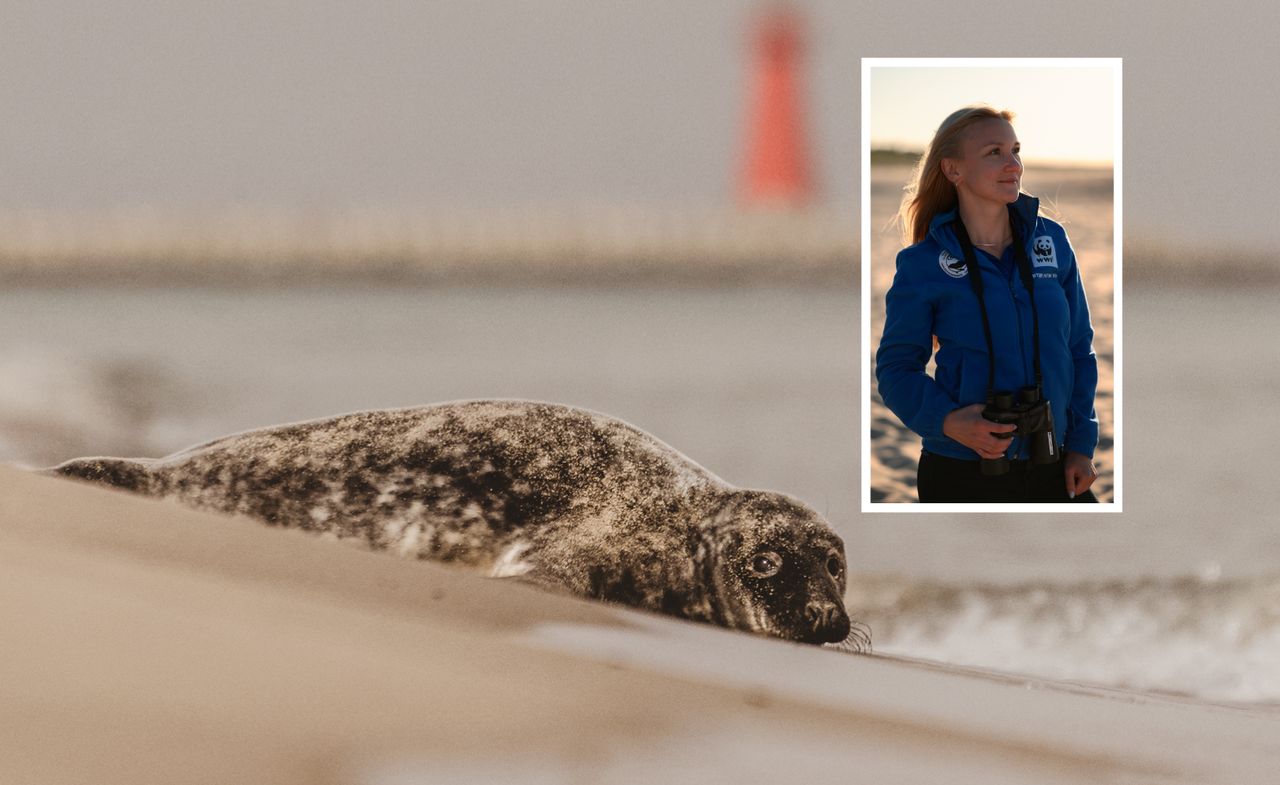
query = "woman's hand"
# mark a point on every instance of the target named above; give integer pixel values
(967, 426)
(1080, 473)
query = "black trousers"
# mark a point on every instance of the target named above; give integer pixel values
(941, 479)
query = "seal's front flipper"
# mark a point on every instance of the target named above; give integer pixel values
(122, 473)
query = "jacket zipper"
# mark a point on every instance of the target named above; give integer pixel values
(1022, 349)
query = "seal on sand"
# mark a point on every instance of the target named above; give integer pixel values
(552, 494)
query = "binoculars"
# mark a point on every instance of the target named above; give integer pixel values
(1030, 411)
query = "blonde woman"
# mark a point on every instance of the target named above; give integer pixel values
(1008, 414)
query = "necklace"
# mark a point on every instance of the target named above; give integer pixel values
(992, 245)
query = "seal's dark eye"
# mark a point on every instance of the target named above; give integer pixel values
(834, 566)
(766, 564)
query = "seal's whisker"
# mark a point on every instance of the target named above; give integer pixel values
(860, 637)
(858, 640)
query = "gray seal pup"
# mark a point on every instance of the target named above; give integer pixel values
(552, 494)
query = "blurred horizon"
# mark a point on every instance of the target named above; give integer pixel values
(908, 156)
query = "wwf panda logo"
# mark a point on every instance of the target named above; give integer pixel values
(956, 268)
(1043, 252)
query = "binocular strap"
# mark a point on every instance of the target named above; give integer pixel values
(975, 282)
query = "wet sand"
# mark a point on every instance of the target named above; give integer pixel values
(145, 642)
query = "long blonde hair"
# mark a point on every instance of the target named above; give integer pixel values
(930, 192)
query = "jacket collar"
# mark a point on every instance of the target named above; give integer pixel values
(1027, 207)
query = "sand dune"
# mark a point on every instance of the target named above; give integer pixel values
(144, 642)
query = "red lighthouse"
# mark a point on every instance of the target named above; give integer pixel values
(776, 168)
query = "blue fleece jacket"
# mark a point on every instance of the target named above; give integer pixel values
(931, 296)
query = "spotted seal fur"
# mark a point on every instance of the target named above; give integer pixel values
(552, 494)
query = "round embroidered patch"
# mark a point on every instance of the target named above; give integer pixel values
(956, 268)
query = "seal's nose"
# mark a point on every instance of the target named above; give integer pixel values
(829, 622)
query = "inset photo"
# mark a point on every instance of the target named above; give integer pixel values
(991, 284)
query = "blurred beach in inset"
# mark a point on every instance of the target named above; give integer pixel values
(1082, 201)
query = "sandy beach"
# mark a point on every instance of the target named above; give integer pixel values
(145, 642)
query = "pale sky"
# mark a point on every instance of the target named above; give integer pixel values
(485, 103)
(1063, 114)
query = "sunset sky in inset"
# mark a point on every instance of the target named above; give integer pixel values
(1063, 114)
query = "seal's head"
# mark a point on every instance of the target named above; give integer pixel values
(775, 567)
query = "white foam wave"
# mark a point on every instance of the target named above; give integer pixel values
(1212, 639)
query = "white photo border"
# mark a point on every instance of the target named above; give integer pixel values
(1116, 64)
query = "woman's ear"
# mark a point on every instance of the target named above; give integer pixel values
(950, 170)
